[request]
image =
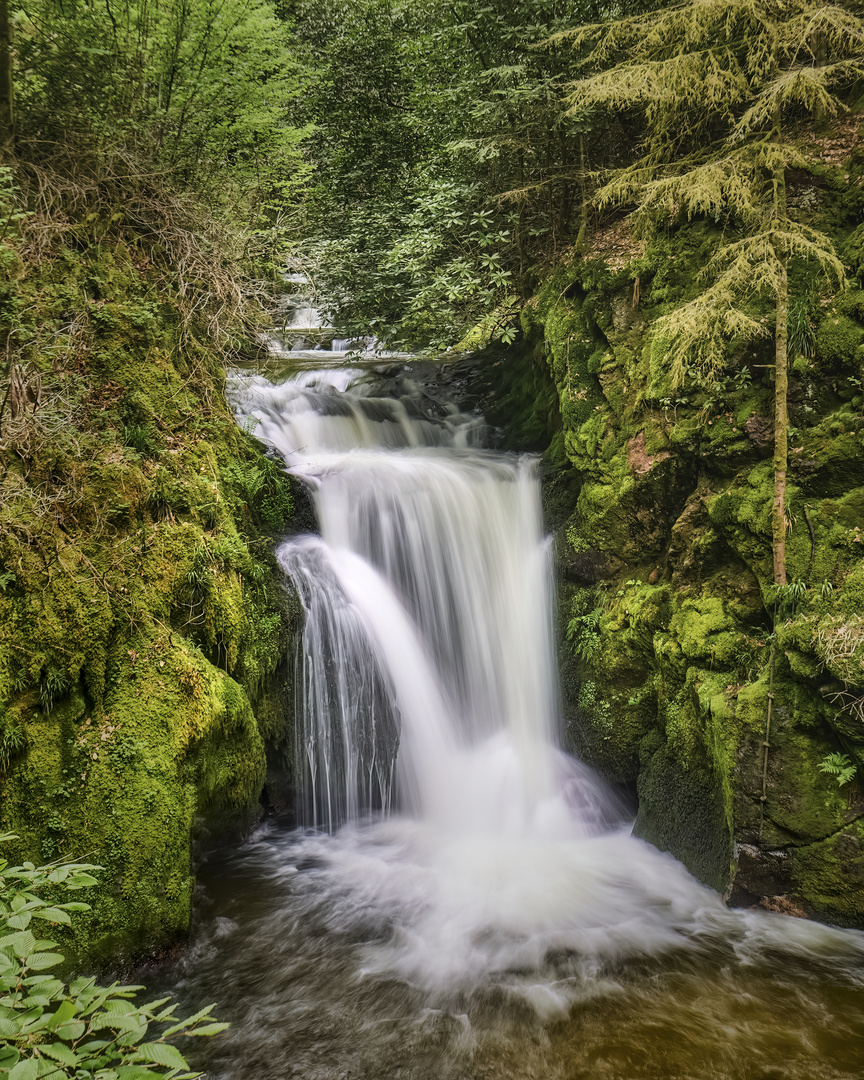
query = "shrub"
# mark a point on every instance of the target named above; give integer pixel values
(56, 1030)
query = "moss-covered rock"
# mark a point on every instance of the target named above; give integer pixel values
(144, 626)
(668, 613)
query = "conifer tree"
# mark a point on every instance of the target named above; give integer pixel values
(725, 88)
(7, 114)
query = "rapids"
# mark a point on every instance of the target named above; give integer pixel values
(464, 900)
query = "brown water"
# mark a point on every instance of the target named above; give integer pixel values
(302, 960)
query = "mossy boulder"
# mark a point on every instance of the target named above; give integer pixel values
(144, 625)
(674, 641)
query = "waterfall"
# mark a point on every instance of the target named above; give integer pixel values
(426, 673)
(463, 900)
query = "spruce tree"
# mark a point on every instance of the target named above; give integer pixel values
(725, 89)
(7, 113)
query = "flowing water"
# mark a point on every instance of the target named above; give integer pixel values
(465, 900)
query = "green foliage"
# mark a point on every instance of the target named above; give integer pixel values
(583, 633)
(201, 88)
(55, 1029)
(802, 336)
(141, 615)
(716, 83)
(787, 599)
(12, 741)
(839, 766)
(445, 165)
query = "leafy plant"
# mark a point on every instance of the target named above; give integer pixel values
(583, 631)
(12, 741)
(839, 766)
(788, 598)
(53, 684)
(141, 437)
(198, 577)
(802, 336)
(56, 1030)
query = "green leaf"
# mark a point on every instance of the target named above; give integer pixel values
(209, 1029)
(202, 1014)
(59, 1052)
(162, 1054)
(71, 1031)
(26, 1069)
(65, 1012)
(21, 944)
(39, 961)
(8, 1056)
(132, 1036)
(53, 914)
(81, 881)
(8, 1029)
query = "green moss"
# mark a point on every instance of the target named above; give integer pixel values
(829, 876)
(839, 342)
(142, 617)
(707, 631)
(672, 688)
(682, 810)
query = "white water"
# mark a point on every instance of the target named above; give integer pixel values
(428, 724)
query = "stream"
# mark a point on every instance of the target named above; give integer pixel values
(462, 899)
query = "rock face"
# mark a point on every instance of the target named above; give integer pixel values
(674, 640)
(143, 623)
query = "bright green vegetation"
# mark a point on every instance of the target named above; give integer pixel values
(723, 88)
(50, 1027)
(142, 617)
(445, 165)
(674, 272)
(670, 609)
(143, 626)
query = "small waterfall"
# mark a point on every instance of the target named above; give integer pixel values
(427, 651)
(494, 919)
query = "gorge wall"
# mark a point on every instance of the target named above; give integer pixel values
(143, 622)
(661, 502)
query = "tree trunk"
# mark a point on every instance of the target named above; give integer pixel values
(7, 111)
(781, 423)
(781, 385)
(582, 238)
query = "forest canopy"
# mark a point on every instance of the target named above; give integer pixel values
(423, 159)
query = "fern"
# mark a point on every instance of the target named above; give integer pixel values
(839, 766)
(583, 633)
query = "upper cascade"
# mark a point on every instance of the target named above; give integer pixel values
(428, 647)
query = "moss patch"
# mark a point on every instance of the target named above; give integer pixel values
(143, 622)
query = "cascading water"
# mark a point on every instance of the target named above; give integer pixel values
(427, 617)
(466, 887)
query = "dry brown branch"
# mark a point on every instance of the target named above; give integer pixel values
(850, 703)
(74, 197)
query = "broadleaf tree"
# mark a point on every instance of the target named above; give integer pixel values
(726, 89)
(445, 167)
